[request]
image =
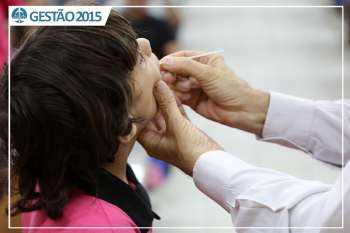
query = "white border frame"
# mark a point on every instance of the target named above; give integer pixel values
(199, 227)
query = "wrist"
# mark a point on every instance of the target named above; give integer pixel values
(188, 162)
(254, 110)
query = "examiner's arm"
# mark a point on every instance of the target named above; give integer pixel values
(312, 126)
(255, 197)
(258, 197)
(261, 197)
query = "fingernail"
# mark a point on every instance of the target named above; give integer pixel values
(168, 78)
(162, 87)
(167, 61)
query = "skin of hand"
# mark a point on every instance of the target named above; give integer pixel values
(171, 137)
(211, 89)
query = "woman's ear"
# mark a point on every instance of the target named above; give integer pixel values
(129, 137)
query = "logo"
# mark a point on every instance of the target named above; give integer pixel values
(58, 15)
(19, 14)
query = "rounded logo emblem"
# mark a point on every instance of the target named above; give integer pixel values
(19, 14)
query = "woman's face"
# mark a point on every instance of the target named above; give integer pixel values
(145, 75)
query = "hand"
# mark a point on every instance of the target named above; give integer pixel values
(211, 89)
(171, 137)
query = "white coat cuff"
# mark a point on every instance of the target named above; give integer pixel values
(289, 120)
(212, 178)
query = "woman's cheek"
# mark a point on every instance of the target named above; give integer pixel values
(149, 109)
(153, 102)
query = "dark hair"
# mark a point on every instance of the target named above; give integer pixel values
(71, 93)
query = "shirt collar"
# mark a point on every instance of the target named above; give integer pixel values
(134, 202)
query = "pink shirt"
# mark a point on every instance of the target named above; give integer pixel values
(115, 204)
(82, 211)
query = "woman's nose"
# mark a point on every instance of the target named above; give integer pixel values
(145, 46)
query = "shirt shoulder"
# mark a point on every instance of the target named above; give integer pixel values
(84, 211)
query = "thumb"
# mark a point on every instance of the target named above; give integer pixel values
(186, 66)
(167, 105)
(149, 140)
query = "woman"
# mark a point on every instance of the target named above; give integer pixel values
(79, 98)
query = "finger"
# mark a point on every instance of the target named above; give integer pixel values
(190, 98)
(149, 139)
(160, 122)
(183, 96)
(168, 77)
(203, 59)
(194, 83)
(187, 67)
(181, 107)
(185, 53)
(167, 105)
(179, 83)
(183, 85)
(151, 126)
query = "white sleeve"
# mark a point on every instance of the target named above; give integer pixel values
(312, 126)
(259, 197)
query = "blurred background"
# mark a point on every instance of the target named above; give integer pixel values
(296, 51)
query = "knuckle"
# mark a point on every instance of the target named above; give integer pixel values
(220, 57)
